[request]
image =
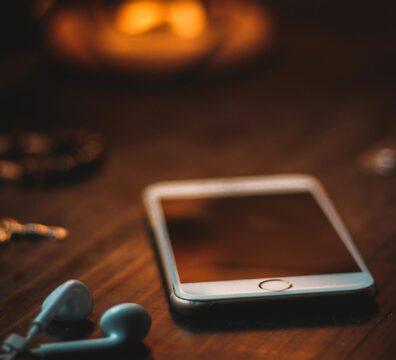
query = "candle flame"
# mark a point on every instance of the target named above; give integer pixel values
(137, 17)
(185, 18)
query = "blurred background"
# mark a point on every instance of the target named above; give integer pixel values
(202, 70)
(136, 61)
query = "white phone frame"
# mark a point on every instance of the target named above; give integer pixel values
(309, 285)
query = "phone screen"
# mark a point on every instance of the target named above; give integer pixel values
(253, 237)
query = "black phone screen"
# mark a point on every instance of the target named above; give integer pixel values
(250, 237)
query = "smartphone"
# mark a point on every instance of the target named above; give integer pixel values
(252, 238)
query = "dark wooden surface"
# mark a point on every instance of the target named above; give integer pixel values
(328, 97)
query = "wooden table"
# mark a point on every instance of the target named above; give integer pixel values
(305, 113)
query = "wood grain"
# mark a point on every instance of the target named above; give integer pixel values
(302, 114)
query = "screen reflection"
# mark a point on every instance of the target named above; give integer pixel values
(251, 237)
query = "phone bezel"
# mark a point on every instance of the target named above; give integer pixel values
(248, 288)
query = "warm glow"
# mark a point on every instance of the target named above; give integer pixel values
(136, 17)
(185, 18)
(159, 37)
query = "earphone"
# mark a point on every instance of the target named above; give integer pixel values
(122, 324)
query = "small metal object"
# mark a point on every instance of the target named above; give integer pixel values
(10, 227)
(380, 161)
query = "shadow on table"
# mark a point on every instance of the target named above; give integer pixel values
(281, 314)
(138, 351)
(272, 314)
(82, 330)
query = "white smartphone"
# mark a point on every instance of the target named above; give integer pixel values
(253, 238)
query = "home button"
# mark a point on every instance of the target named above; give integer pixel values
(275, 285)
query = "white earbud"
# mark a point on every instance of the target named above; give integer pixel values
(71, 301)
(123, 325)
